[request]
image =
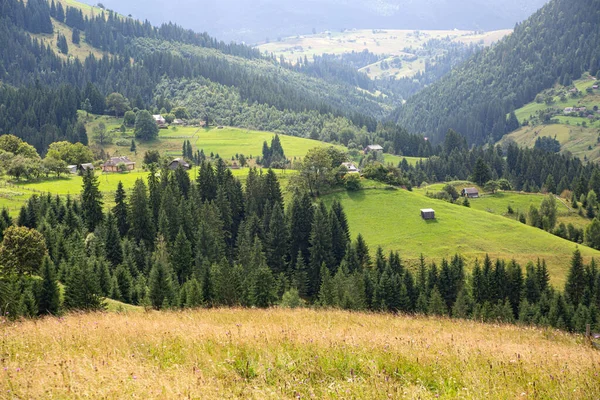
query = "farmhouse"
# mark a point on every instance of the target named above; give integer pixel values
(160, 121)
(427, 214)
(352, 169)
(595, 87)
(114, 164)
(373, 147)
(234, 165)
(177, 122)
(471, 193)
(179, 162)
(568, 110)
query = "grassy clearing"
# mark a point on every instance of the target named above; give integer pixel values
(279, 354)
(392, 220)
(579, 141)
(72, 184)
(389, 42)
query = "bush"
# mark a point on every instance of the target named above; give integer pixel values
(291, 299)
(352, 182)
(123, 142)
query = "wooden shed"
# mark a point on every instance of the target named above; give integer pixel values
(427, 214)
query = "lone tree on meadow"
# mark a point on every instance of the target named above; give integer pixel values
(145, 126)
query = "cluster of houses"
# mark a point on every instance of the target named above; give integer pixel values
(162, 122)
(570, 110)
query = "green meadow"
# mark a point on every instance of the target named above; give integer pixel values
(391, 219)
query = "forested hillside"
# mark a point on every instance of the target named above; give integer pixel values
(557, 44)
(140, 59)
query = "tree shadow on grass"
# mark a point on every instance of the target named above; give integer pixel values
(358, 195)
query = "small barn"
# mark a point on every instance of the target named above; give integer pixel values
(85, 167)
(373, 148)
(72, 169)
(427, 214)
(234, 165)
(179, 162)
(113, 165)
(471, 193)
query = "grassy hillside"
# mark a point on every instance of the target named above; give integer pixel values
(577, 135)
(392, 220)
(402, 44)
(279, 354)
(498, 203)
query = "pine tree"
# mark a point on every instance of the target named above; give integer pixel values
(277, 241)
(120, 210)
(262, 291)
(436, 303)
(463, 307)
(320, 247)
(82, 291)
(576, 280)
(112, 241)
(160, 289)
(91, 200)
(326, 288)
(181, 257)
(48, 299)
(124, 282)
(140, 219)
(300, 276)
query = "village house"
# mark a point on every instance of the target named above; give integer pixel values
(234, 165)
(159, 119)
(568, 110)
(179, 162)
(118, 164)
(471, 193)
(373, 148)
(352, 169)
(85, 167)
(595, 87)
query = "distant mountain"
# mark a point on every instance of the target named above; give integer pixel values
(254, 21)
(555, 45)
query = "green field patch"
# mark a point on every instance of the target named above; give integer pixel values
(392, 219)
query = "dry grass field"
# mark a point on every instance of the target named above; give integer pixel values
(256, 354)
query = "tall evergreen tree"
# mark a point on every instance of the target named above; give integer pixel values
(120, 210)
(91, 200)
(48, 299)
(112, 241)
(576, 279)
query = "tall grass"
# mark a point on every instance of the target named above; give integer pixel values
(275, 353)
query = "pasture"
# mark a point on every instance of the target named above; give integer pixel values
(401, 44)
(289, 354)
(391, 219)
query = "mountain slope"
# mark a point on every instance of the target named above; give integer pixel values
(251, 22)
(558, 43)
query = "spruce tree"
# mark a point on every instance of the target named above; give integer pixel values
(300, 276)
(120, 210)
(326, 288)
(436, 303)
(140, 219)
(160, 289)
(125, 283)
(91, 200)
(277, 241)
(48, 300)
(112, 241)
(262, 291)
(82, 291)
(576, 280)
(181, 257)
(320, 247)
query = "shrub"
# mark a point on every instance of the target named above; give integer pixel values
(352, 182)
(123, 142)
(291, 299)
